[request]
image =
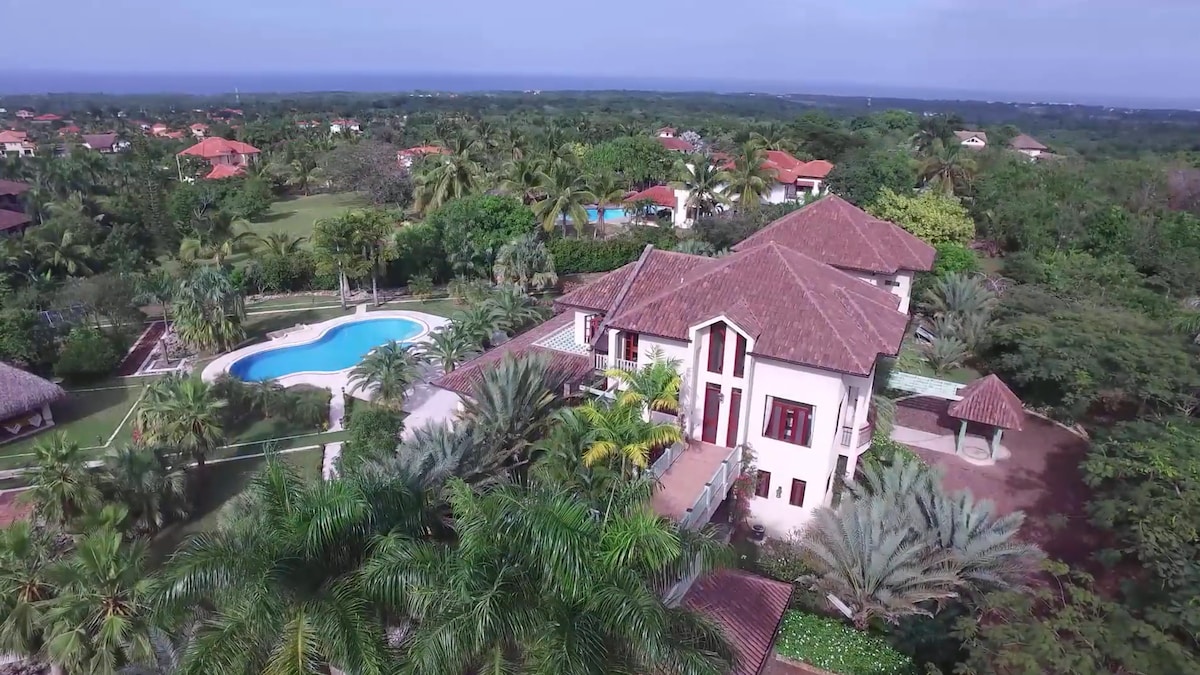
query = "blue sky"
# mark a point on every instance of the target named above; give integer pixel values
(1094, 47)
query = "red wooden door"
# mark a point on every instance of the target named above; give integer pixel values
(735, 415)
(712, 409)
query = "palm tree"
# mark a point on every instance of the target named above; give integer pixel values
(621, 431)
(302, 171)
(514, 309)
(218, 249)
(449, 346)
(389, 371)
(696, 247)
(209, 309)
(524, 178)
(609, 191)
(280, 573)
(61, 488)
(157, 288)
(525, 261)
(140, 479)
(959, 294)
(654, 385)
(773, 136)
(182, 412)
(26, 556)
(167, 657)
(513, 142)
(945, 353)
(539, 584)
(931, 130)
(267, 397)
(375, 236)
(948, 168)
(567, 197)
(279, 243)
(451, 175)
(480, 322)
(100, 618)
(511, 405)
(65, 254)
(704, 183)
(338, 248)
(749, 180)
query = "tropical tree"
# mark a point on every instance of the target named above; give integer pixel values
(704, 182)
(152, 492)
(538, 584)
(773, 136)
(338, 246)
(167, 655)
(944, 353)
(620, 430)
(449, 346)
(948, 169)
(959, 294)
(209, 309)
(525, 261)
(278, 243)
(27, 554)
(158, 288)
(654, 386)
(183, 413)
(267, 397)
(64, 253)
(566, 197)
(449, 175)
(524, 177)
(609, 190)
(61, 487)
(217, 247)
(749, 180)
(514, 310)
(480, 322)
(511, 405)
(389, 371)
(696, 247)
(375, 235)
(302, 171)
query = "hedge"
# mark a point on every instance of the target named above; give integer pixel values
(573, 256)
(838, 648)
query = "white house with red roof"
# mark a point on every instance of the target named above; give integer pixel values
(199, 130)
(17, 143)
(409, 156)
(339, 126)
(776, 343)
(230, 157)
(976, 140)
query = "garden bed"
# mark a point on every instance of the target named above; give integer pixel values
(838, 648)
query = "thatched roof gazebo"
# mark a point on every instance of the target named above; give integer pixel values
(25, 402)
(990, 402)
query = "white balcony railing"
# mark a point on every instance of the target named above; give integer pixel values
(660, 465)
(847, 432)
(715, 490)
(603, 362)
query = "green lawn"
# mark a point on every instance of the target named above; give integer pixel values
(88, 417)
(295, 216)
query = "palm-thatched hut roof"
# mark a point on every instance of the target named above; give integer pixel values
(21, 391)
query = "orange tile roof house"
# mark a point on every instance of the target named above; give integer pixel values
(233, 155)
(777, 345)
(408, 156)
(17, 143)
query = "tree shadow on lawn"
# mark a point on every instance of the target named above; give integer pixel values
(274, 217)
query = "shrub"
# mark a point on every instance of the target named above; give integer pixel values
(374, 432)
(934, 217)
(573, 256)
(309, 406)
(421, 286)
(278, 273)
(885, 451)
(782, 559)
(838, 648)
(87, 354)
(953, 257)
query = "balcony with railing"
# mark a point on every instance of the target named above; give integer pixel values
(694, 480)
(603, 362)
(864, 435)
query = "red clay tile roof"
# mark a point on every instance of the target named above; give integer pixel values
(69, 129)
(422, 150)
(224, 171)
(1025, 142)
(747, 607)
(574, 367)
(663, 269)
(676, 144)
(808, 313)
(210, 148)
(662, 195)
(98, 141)
(11, 136)
(667, 130)
(10, 220)
(839, 233)
(818, 168)
(47, 117)
(989, 401)
(786, 168)
(12, 187)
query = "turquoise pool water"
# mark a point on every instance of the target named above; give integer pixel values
(610, 214)
(339, 348)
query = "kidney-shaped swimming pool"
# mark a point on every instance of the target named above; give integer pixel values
(341, 347)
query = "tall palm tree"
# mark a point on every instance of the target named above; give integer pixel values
(167, 657)
(389, 372)
(567, 197)
(280, 573)
(654, 385)
(513, 142)
(749, 179)
(609, 191)
(65, 253)
(451, 175)
(620, 431)
(27, 554)
(61, 487)
(278, 243)
(215, 248)
(948, 168)
(959, 294)
(773, 136)
(524, 178)
(449, 346)
(100, 617)
(511, 405)
(141, 480)
(302, 171)
(704, 182)
(157, 288)
(182, 412)
(538, 584)
(525, 261)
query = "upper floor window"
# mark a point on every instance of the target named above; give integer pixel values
(591, 324)
(739, 356)
(716, 348)
(629, 349)
(891, 282)
(789, 421)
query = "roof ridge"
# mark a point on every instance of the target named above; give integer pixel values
(866, 236)
(865, 321)
(621, 293)
(808, 292)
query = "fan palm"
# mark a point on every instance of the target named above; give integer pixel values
(567, 197)
(61, 487)
(140, 479)
(525, 261)
(278, 243)
(449, 346)
(209, 309)
(26, 557)
(389, 371)
(620, 430)
(183, 413)
(948, 168)
(511, 404)
(538, 583)
(704, 183)
(654, 385)
(749, 180)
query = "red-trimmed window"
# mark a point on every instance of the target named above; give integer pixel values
(591, 324)
(735, 415)
(797, 496)
(629, 349)
(712, 410)
(739, 356)
(789, 421)
(716, 348)
(762, 484)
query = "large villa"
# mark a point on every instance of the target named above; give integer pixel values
(777, 345)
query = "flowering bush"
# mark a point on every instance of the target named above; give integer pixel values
(838, 648)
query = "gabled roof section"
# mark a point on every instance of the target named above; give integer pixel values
(98, 141)
(808, 312)
(660, 269)
(661, 195)
(1025, 142)
(674, 143)
(224, 171)
(12, 187)
(219, 147)
(11, 220)
(748, 609)
(989, 401)
(966, 135)
(839, 233)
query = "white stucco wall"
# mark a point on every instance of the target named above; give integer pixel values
(899, 284)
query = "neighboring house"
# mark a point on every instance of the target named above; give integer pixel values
(407, 157)
(104, 143)
(666, 132)
(69, 130)
(674, 143)
(343, 125)
(17, 143)
(26, 114)
(219, 151)
(972, 139)
(25, 402)
(777, 345)
(159, 129)
(1027, 145)
(13, 220)
(46, 118)
(199, 130)
(225, 171)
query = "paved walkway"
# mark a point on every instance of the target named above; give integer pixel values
(976, 449)
(329, 460)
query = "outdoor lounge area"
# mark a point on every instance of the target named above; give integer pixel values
(25, 402)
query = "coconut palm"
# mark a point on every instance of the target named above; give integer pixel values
(524, 177)
(215, 248)
(157, 288)
(64, 253)
(566, 197)
(513, 142)
(773, 136)
(449, 346)
(27, 554)
(654, 385)
(609, 190)
(704, 182)
(948, 169)
(749, 180)
(278, 243)
(511, 405)
(451, 175)
(141, 480)
(279, 573)
(267, 397)
(619, 430)
(302, 171)
(183, 413)
(525, 261)
(538, 583)
(61, 487)
(389, 371)
(100, 617)
(514, 309)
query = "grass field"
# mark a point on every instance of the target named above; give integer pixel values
(295, 216)
(88, 416)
